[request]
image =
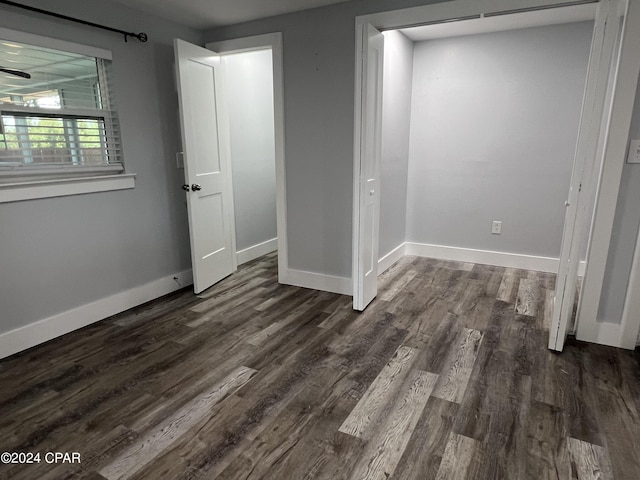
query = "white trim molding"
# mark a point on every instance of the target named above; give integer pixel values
(28, 336)
(245, 44)
(612, 161)
(625, 334)
(61, 187)
(316, 281)
(486, 257)
(449, 11)
(392, 257)
(251, 253)
(610, 334)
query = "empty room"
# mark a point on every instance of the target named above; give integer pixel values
(333, 239)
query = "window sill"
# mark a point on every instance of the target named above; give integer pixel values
(61, 187)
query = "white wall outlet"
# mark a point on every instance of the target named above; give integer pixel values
(496, 227)
(179, 160)
(634, 152)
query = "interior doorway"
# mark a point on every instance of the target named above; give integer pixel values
(248, 83)
(253, 108)
(393, 20)
(231, 116)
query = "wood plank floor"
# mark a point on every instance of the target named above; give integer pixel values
(445, 376)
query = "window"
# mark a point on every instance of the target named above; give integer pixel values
(57, 114)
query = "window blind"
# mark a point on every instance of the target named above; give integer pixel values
(62, 116)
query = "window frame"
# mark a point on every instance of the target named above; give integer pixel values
(25, 183)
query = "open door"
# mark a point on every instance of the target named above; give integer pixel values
(207, 167)
(592, 137)
(367, 168)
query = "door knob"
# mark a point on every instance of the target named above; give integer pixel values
(185, 187)
(195, 187)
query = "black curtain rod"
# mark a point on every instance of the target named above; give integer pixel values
(140, 36)
(13, 71)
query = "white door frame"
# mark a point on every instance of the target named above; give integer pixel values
(625, 90)
(623, 334)
(596, 105)
(271, 41)
(630, 325)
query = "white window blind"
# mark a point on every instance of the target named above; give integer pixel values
(61, 119)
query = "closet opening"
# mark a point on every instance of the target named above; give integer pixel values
(482, 139)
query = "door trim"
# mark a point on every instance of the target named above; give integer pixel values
(630, 325)
(588, 327)
(596, 105)
(274, 42)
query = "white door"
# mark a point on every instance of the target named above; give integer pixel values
(367, 176)
(207, 167)
(594, 128)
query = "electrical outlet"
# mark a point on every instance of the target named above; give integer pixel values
(179, 160)
(634, 152)
(496, 227)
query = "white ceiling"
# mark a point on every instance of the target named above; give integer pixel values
(554, 16)
(204, 14)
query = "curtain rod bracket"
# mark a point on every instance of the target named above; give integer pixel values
(142, 37)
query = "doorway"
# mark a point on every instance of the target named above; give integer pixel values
(393, 20)
(255, 113)
(248, 86)
(250, 123)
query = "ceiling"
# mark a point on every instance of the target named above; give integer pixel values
(204, 14)
(554, 16)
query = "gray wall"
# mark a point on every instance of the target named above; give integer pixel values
(396, 113)
(61, 253)
(319, 55)
(249, 81)
(494, 125)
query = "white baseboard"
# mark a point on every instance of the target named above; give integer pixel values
(317, 281)
(256, 251)
(392, 257)
(49, 328)
(486, 257)
(605, 333)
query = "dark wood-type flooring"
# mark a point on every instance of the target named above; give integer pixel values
(445, 376)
